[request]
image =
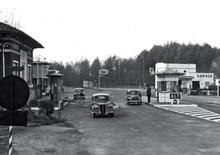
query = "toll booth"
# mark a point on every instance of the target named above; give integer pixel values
(167, 84)
(55, 82)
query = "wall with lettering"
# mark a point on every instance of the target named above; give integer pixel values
(205, 79)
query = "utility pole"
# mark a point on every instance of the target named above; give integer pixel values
(99, 80)
(143, 71)
(217, 90)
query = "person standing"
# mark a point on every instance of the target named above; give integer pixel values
(148, 92)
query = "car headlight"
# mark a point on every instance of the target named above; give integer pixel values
(95, 105)
(110, 105)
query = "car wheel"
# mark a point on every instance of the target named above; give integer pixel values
(93, 115)
(140, 103)
(112, 115)
(128, 103)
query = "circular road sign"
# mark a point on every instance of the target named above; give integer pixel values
(175, 101)
(14, 92)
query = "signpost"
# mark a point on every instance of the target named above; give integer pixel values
(102, 72)
(14, 92)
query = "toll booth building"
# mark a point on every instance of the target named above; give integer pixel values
(16, 49)
(40, 72)
(189, 80)
(167, 85)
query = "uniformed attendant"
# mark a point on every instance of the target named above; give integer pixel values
(148, 92)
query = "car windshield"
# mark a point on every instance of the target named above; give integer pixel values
(101, 98)
(133, 92)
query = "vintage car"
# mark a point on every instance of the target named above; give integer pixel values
(102, 104)
(78, 94)
(133, 97)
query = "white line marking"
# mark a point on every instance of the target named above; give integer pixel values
(215, 120)
(211, 118)
(200, 113)
(196, 112)
(205, 115)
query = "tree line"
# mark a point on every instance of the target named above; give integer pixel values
(135, 71)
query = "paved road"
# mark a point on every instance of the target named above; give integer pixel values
(144, 130)
(135, 130)
(211, 103)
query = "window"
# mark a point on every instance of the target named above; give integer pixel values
(162, 86)
(23, 72)
(15, 64)
(29, 73)
(206, 84)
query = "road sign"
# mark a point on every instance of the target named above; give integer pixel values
(15, 118)
(103, 71)
(175, 101)
(151, 70)
(14, 92)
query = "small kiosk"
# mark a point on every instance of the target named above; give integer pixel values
(55, 86)
(167, 84)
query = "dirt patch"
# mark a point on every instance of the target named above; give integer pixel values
(36, 120)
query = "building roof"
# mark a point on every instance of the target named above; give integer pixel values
(6, 29)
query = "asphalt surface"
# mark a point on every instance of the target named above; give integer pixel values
(135, 130)
(211, 103)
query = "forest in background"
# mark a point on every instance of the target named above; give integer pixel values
(135, 71)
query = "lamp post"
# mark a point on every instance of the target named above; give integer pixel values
(37, 74)
(3, 57)
(142, 71)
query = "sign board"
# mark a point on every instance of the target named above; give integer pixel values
(17, 68)
(15, 118)
(103, 71)
(151, 70)
(14, 92)
(175, 101)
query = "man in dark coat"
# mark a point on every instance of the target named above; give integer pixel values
(148, 92)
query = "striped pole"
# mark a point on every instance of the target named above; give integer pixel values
(10, 140)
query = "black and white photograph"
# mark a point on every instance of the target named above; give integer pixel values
(109, 77)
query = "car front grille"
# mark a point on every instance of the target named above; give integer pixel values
(103, 109)
(135, 98)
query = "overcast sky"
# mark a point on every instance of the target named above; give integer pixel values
(71, 30)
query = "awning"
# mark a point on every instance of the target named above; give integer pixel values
(185, 77)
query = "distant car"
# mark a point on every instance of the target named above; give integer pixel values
(78, 94)
(102, 104)
(134, 97)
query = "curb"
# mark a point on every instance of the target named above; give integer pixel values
(172, 105)
(175, 105)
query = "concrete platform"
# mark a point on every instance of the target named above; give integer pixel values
(155, 103)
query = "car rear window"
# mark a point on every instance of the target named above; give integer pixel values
(101, 98)
(133, 92)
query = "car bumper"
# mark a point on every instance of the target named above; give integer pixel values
(79, 97)
(98, 111)
(134, 101)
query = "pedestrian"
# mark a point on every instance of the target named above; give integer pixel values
(148, 92)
